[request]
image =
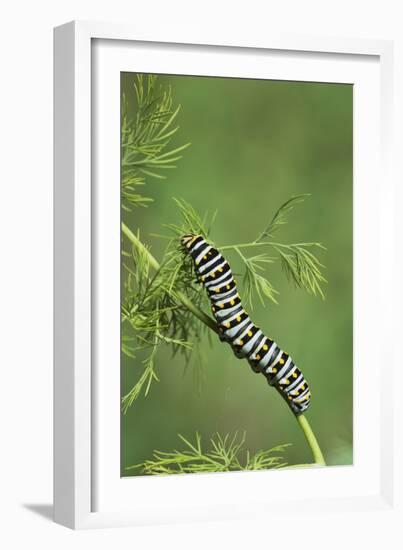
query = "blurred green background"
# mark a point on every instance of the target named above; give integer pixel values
(255, 143)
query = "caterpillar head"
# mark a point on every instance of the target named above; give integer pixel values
(188, 240)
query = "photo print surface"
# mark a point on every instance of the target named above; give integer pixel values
(236, 274)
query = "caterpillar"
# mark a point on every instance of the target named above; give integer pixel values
(235, 327)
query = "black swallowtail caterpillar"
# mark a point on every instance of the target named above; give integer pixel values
(236, 328)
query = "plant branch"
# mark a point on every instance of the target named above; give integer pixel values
(210, 323)
(300, 265)
(312, 441)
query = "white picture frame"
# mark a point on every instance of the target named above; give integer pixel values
(88, 491)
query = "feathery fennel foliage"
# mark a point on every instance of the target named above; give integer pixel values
(146, 137)
(160, 306)
(298, 260)
(225, 454)
(279, 217)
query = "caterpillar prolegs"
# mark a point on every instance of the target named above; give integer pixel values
(236, 328)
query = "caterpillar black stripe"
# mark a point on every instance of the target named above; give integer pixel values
(236, 328)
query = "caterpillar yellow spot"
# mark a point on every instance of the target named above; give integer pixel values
(240, 342)
(238, 319)
(295, 375)
(220, 270)
(281, 361)
(228, 325)
(250, 333)
(205, 258)
(228, 287)
(287, 381)
(217, 290)
(274, 370)
(258, 357)
(232, 302)
(265, 347)
(221, 306)
(303, 387)
(213, 275)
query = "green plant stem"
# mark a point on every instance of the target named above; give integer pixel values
(311, 439)
(140, 246)
(208, 321)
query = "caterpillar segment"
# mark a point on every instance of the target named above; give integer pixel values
(236, 328)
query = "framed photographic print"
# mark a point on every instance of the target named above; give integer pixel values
(221, 297)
